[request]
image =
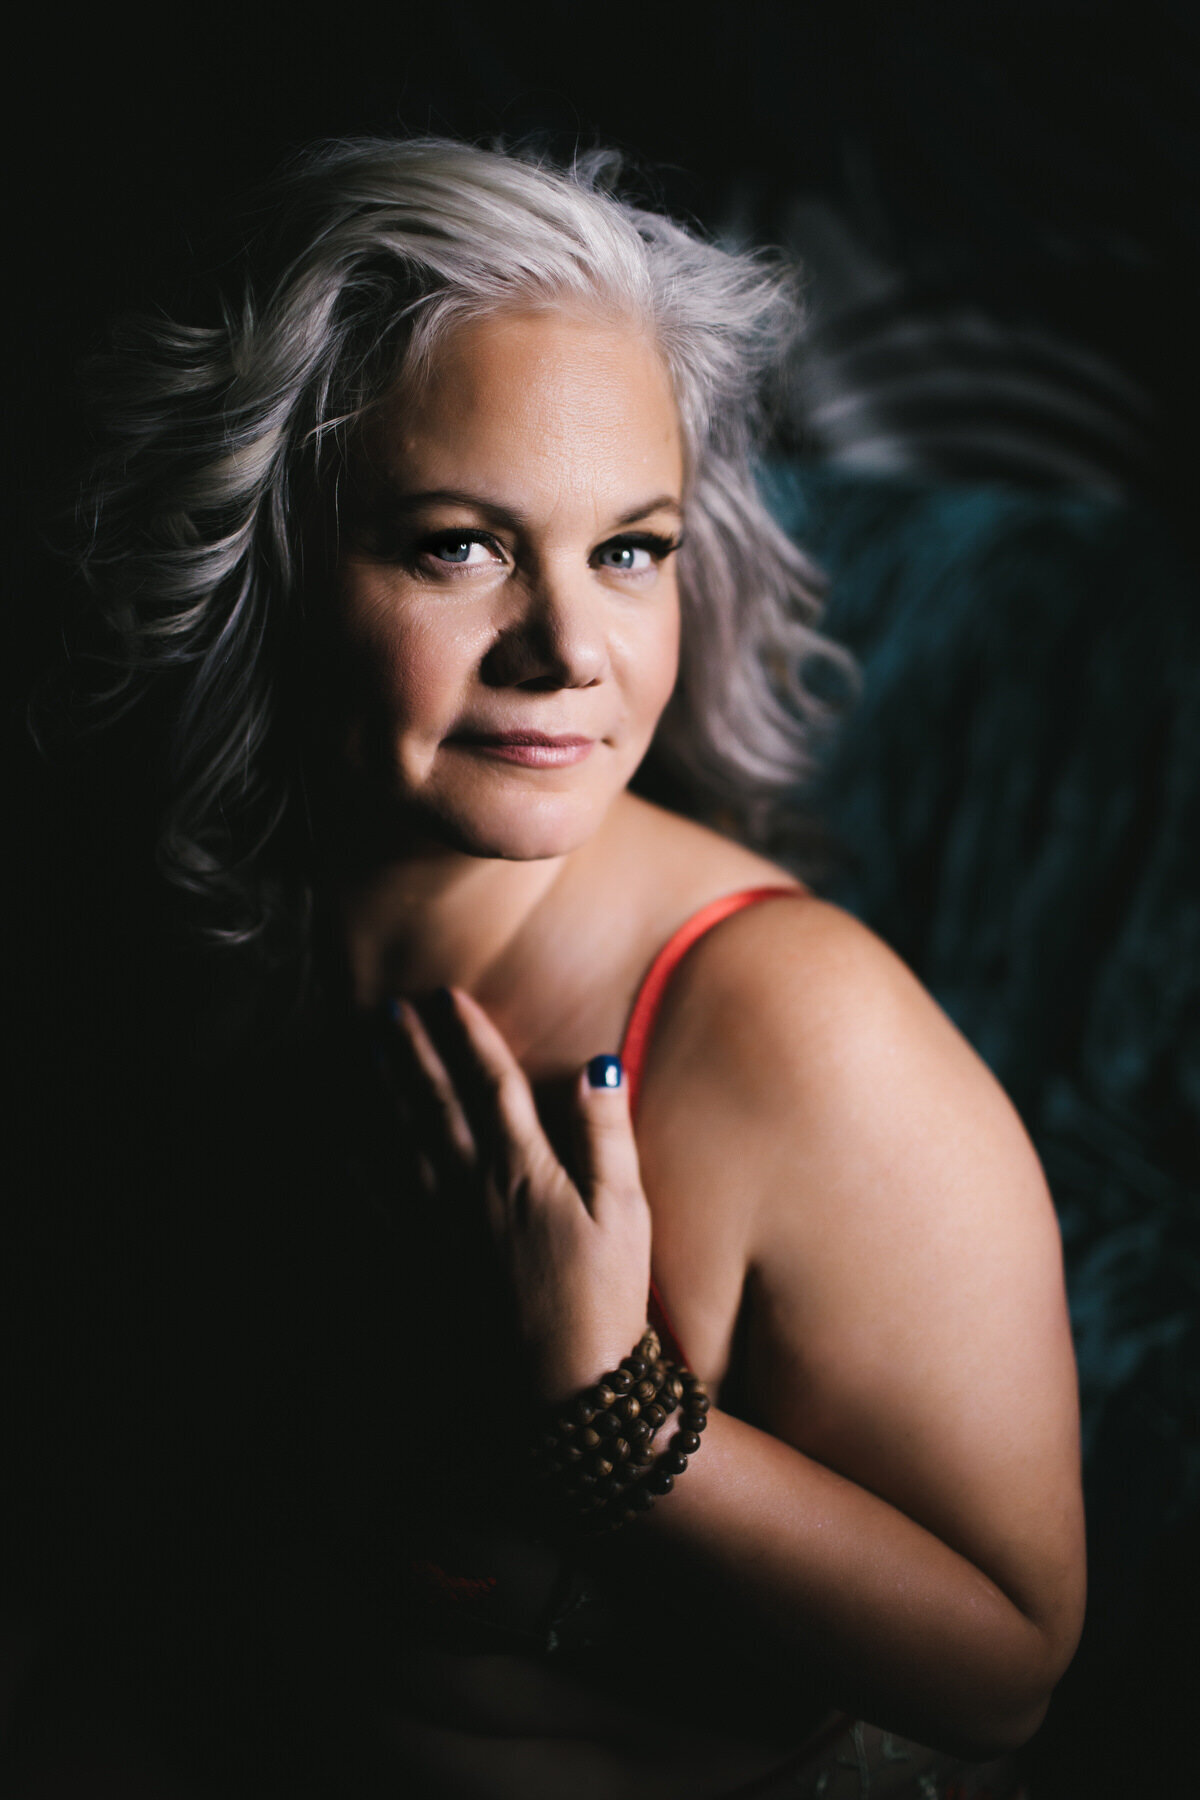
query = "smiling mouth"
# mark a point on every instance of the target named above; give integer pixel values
(532, 749)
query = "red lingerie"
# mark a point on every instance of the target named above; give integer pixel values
(641, 1027)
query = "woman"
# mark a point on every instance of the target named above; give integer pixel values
(431, 546)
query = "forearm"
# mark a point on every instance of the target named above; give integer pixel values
(810, 1571)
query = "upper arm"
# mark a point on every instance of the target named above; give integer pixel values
(905, 1314)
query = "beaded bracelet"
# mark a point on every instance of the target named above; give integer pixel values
(594, 1460)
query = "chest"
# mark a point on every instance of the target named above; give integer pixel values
(424, 1419)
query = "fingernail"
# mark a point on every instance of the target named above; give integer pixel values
(604, 1072)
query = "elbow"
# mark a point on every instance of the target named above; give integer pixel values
(1002, 1716)
(994, 1730)
(1031, 1651)
(983, 1694)
(981, 1727)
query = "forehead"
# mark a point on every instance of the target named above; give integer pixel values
(540, 401)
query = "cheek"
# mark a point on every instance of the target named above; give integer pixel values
(651, 667)
(415, 657)
(424, 668)
(669, 671)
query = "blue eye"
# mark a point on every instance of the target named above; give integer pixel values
(458, 551)
(625, 556)
(634, 555)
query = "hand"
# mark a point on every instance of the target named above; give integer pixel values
(577, 1255)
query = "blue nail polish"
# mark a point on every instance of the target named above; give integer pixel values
(604, 1072)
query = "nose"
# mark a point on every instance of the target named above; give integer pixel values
(553, 638)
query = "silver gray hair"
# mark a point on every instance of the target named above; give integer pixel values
(193, 541)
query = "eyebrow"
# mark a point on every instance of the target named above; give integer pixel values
(509, 516)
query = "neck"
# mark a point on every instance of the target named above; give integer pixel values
(440, 918)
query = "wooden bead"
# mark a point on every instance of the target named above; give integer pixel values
(596, 1459)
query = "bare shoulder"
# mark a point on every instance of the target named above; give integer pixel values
(899, 1275)
(807, 1017)
(867, 1135)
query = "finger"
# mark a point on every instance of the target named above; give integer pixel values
(440, 1119)
(605, 1148)
(502, 1111)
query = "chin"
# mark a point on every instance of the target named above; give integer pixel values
(534, 832)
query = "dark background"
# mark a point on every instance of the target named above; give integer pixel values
(1037, 159)
(1041, 156)
(991, 449)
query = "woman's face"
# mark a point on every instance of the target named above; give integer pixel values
(506, 580)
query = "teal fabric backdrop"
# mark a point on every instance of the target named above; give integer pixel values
(1015, 803)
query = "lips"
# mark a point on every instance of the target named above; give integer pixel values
(532, 749)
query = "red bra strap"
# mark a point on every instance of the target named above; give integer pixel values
(641, 1025)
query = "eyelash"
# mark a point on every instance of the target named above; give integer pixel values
(659, 546)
